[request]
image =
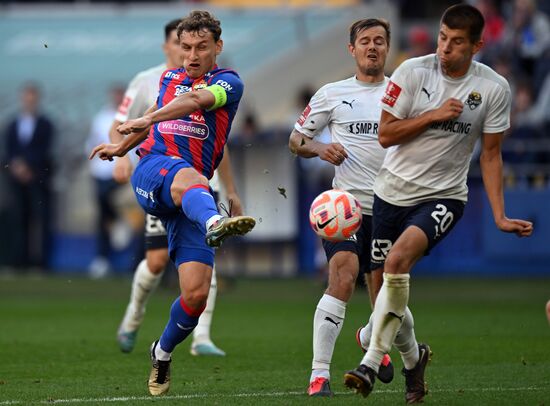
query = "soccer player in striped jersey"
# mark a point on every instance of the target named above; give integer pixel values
(142, 93)
(188, 130)
(435, 108)
(350, 108)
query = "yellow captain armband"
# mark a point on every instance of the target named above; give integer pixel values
(219, 95)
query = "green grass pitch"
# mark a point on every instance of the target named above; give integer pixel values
(490, 338)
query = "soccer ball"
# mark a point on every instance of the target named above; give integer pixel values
(335, 215)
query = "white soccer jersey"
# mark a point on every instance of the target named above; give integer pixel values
(142, 93)
(350, 108)
(435, 164)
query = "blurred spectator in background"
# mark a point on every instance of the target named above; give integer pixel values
(493, 32)
(528, 36)
(418, 42)
(29, 137)
(105, 185)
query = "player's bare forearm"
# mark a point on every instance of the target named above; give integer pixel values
(132, 141)
(138, 124)
(395, 131)
(226, 176)
(491, 171)
(303, 146)
(183, 105)
(109, 151)
(114, 135)
(226, 173)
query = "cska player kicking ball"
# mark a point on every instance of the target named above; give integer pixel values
(190, 124)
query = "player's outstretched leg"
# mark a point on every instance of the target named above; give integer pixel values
(415, 384)
(386, 371)
(143, 285)
(199, 206)
(225, 227)
(202, 343)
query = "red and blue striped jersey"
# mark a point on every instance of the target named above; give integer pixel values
(199, 137)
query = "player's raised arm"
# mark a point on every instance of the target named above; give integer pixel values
(395, 131)
(491, 170)
(208, 98)
(306, 147)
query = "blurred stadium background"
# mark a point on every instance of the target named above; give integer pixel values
(484, 313)
(76, 50)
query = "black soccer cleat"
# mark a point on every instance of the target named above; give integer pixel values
(360, 379)
(416, 387)
(386, 370)
(159, 378)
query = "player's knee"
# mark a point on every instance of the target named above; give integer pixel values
(196, 298)
(397, 263)
(156, 262)
(344, 269)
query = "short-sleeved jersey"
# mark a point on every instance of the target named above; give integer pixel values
(141, 94)
(435, 164)
(351, 110)
(199, 137)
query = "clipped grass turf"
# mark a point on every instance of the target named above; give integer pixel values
(490, 338)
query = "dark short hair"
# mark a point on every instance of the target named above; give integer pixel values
(464, 17)
(171, 26)
(366, 23)
(198, 21)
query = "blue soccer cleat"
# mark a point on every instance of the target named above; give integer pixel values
(206, 349)
(126, 340)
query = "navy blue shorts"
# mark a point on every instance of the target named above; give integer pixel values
(151, 182)
(436, 218)
(358, 244)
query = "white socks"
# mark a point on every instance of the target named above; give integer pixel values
(143, 284)
(327, 323)
(212, 220)
(405, 340)
(201, 334)
(160, 354)
(389, 312)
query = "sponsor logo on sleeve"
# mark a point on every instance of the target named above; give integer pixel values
(172, 75)
(392, 94)
(184, 129)
(304, 115)
(224, 84)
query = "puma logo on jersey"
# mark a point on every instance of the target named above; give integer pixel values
(428, 94)
(350, 104)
